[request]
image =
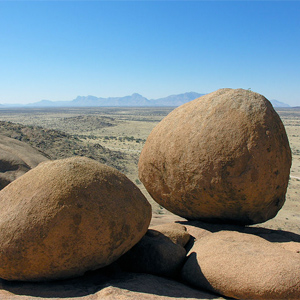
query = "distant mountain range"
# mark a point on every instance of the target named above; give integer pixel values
(276, 103)
(133, 100)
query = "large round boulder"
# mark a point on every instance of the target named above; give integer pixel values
(16, 158)
(223, 157)
(66, 217)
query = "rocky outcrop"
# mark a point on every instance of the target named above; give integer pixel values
(243, 266)
(16, 158)
(66, 217)
(224, 157)
(239, 262)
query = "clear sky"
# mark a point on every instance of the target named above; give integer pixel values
(57, 50)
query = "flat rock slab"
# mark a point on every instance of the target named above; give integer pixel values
(98, 286)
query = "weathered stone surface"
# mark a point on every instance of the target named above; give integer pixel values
(99, 286)
(16, 158)
(155, 254)
(159, 219)
(224, 157)
(291, 246)
(177, 233)
(68, 216)
(243, 266)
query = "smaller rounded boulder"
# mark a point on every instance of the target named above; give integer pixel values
(224, 157)
(155, 254)
(243, 266)
(66, 217)
(177, 233)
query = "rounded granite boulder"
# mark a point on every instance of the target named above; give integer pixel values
(155, 254)
(66, 217)
(16, 158)
(243, 266)
(224, 157)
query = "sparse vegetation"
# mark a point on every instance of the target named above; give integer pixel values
(115, 136)
(57, 144)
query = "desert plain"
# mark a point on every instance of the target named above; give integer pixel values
(116, 135)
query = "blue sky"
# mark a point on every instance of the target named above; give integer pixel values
(57, 50)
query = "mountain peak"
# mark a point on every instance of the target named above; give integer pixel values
(277, 103)
(135, 99)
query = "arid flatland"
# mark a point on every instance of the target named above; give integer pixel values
(115, 136)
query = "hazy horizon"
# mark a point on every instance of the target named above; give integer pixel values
(99, 96)
(175, 102)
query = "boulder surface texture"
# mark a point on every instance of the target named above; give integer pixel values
(16, 158)
(66, 217)
(224, 157)
(243, 266)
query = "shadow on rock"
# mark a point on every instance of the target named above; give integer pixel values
(76, 287)
(243, 262)
(198, 229)
(107, 283)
